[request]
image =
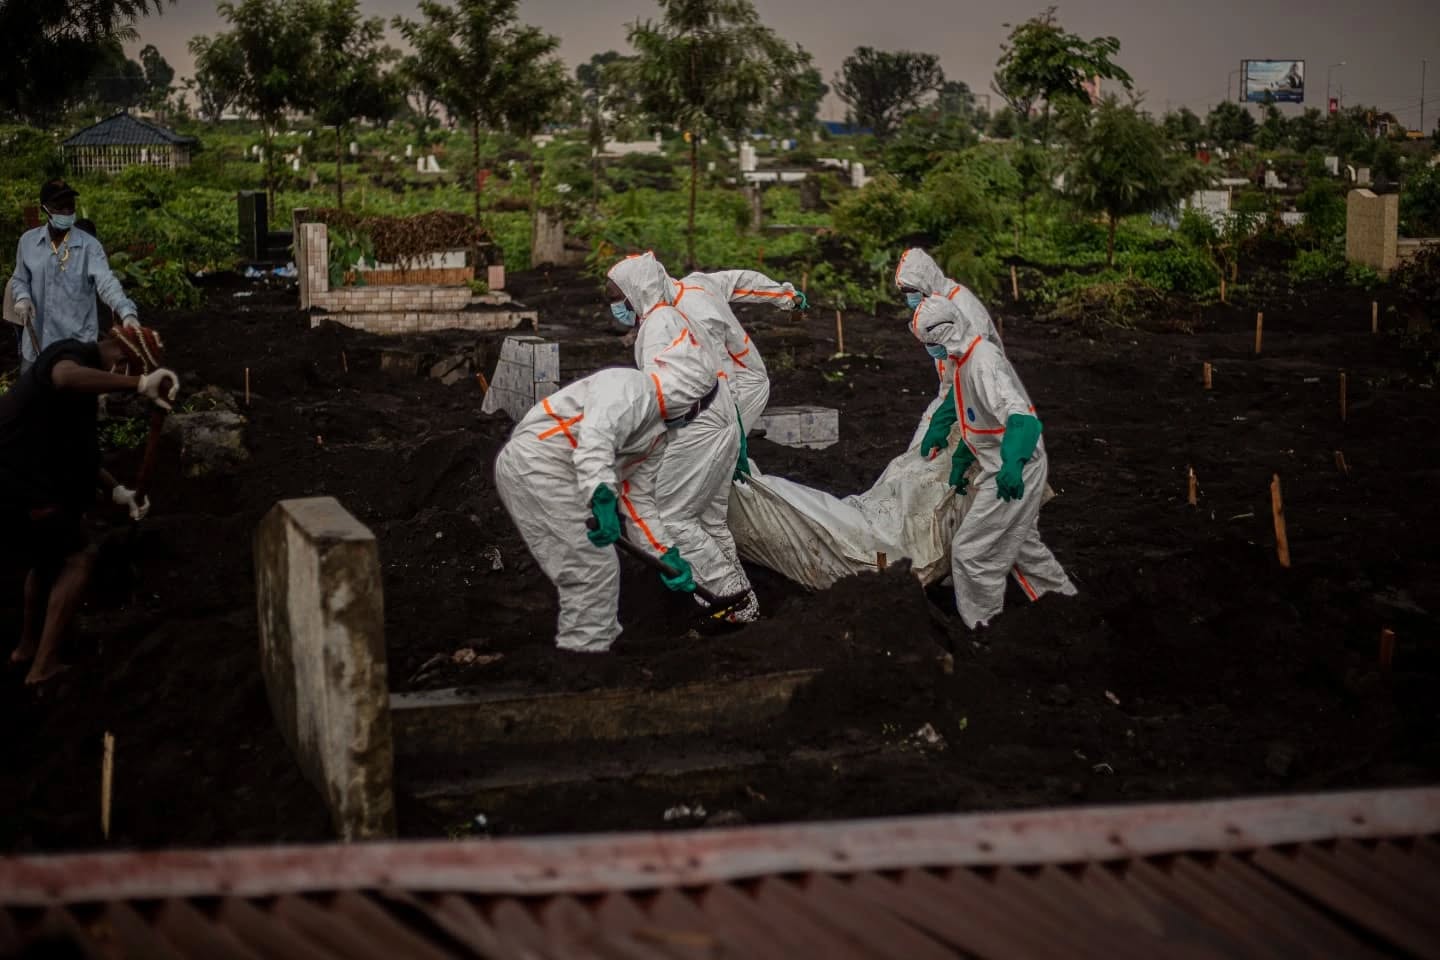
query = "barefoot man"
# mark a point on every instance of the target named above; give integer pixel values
(50, 473)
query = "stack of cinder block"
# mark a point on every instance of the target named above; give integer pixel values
(528, 371)
(814, 428)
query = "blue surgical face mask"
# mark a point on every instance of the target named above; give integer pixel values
(622, 313)
(913, 298)
(937, 351)
(61, 221)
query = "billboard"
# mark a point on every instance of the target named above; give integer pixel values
(1280, 80)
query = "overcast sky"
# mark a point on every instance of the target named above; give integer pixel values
(1179, 51)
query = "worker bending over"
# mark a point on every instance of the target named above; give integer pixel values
(999, 431)
(590, 452)
(50, 473)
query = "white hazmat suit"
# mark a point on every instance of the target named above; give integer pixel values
(744, 367)
(695, 473)
(603, 429)
(996, 537)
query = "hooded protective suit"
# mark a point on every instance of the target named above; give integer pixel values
(603, 429)
(917, 270)
(996, 537)
(745, 368)
(694, 484)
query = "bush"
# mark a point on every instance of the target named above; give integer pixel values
(1179, 268)
(1323, 203)
(877, 215)
(1418, 278)
(1420, 203)
(1316, 266)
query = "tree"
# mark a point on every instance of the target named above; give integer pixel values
(116, 82)
(534, 88)
(1002, 124)
(159, 76)
(1185, 128)
(219, 73)
(1041, 62)
(709, 66)
(277, 45)
(882, 88)
(923, 140)
(1122, 166)
(48, 50)
(472, 50)
(799, 109)
(955, 99)
(350, 79)
(1230, 124)
(1272, 133)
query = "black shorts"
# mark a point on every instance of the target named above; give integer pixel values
(44, 538)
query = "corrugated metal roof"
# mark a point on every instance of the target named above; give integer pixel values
(1349, 875)
(122, 130)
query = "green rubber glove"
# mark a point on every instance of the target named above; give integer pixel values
(605, 508)
(937, 435)
(683, 581)
(960, 462)
(802, 302)
(1022, 434)
(742, 462)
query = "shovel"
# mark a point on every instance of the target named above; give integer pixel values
(719, 608)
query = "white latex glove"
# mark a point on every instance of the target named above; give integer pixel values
(24, 312)
(130, 321)
(153, 385)
(125, 497)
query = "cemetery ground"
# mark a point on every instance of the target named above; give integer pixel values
(1192, 664)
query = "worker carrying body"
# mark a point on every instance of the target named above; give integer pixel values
(59, 270)
(590, 451)
(998, 430)
(49, 468)
(743, 364)
(699, 462)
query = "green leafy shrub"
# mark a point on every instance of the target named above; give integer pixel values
(1359, 275)
(1316, 266)
(876, 215)
(1420, 203)
(154, 282)
(1178, 268)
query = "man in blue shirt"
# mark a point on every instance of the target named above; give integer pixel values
(59, 270)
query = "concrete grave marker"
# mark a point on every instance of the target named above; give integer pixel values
(322, 653)
(812, 427)
(528, 371)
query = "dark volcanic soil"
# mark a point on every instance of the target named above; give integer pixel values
(1191, 664)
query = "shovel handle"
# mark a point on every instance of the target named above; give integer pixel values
(654, 562)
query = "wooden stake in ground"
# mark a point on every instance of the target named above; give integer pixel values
(1374, 316)
(1343, 410)
(247, 386)
(1014, 283)
(805, 283)
(1277, 509)
(880, 561)
(107, 778)
(1222, 289)
(1205, 372)
(1387, 648)
(839, 333)
(1259, 330)
(1193, 497)
(344, 362)
(484, 384)
(1340, 463)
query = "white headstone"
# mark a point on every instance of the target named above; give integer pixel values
(710, 167)
(295, 164)
(409, 150)
(299, 150)
(1332, 166)
(431, 164)
(857, 175)
(354, 149)
(260, 155)
(1362, 176)
(747, 158)
(1273, 182)
(657, 138)
(419, 164)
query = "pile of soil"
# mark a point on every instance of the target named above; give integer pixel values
(1191, 664)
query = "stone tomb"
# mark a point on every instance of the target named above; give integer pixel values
(528, 371)
(814, 428)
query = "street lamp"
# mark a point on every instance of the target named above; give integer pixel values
(1328, 70)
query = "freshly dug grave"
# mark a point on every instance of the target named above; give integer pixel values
(1190, 665)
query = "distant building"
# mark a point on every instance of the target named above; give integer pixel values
(125, 140)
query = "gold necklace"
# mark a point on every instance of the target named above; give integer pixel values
(64, 258)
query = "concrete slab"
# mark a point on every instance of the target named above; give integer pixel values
(322, 653)
(459, 722)
(812, 427)
(527, 371)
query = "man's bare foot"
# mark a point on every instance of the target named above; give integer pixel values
(38, 676)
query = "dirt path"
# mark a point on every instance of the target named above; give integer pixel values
(1231, 674)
